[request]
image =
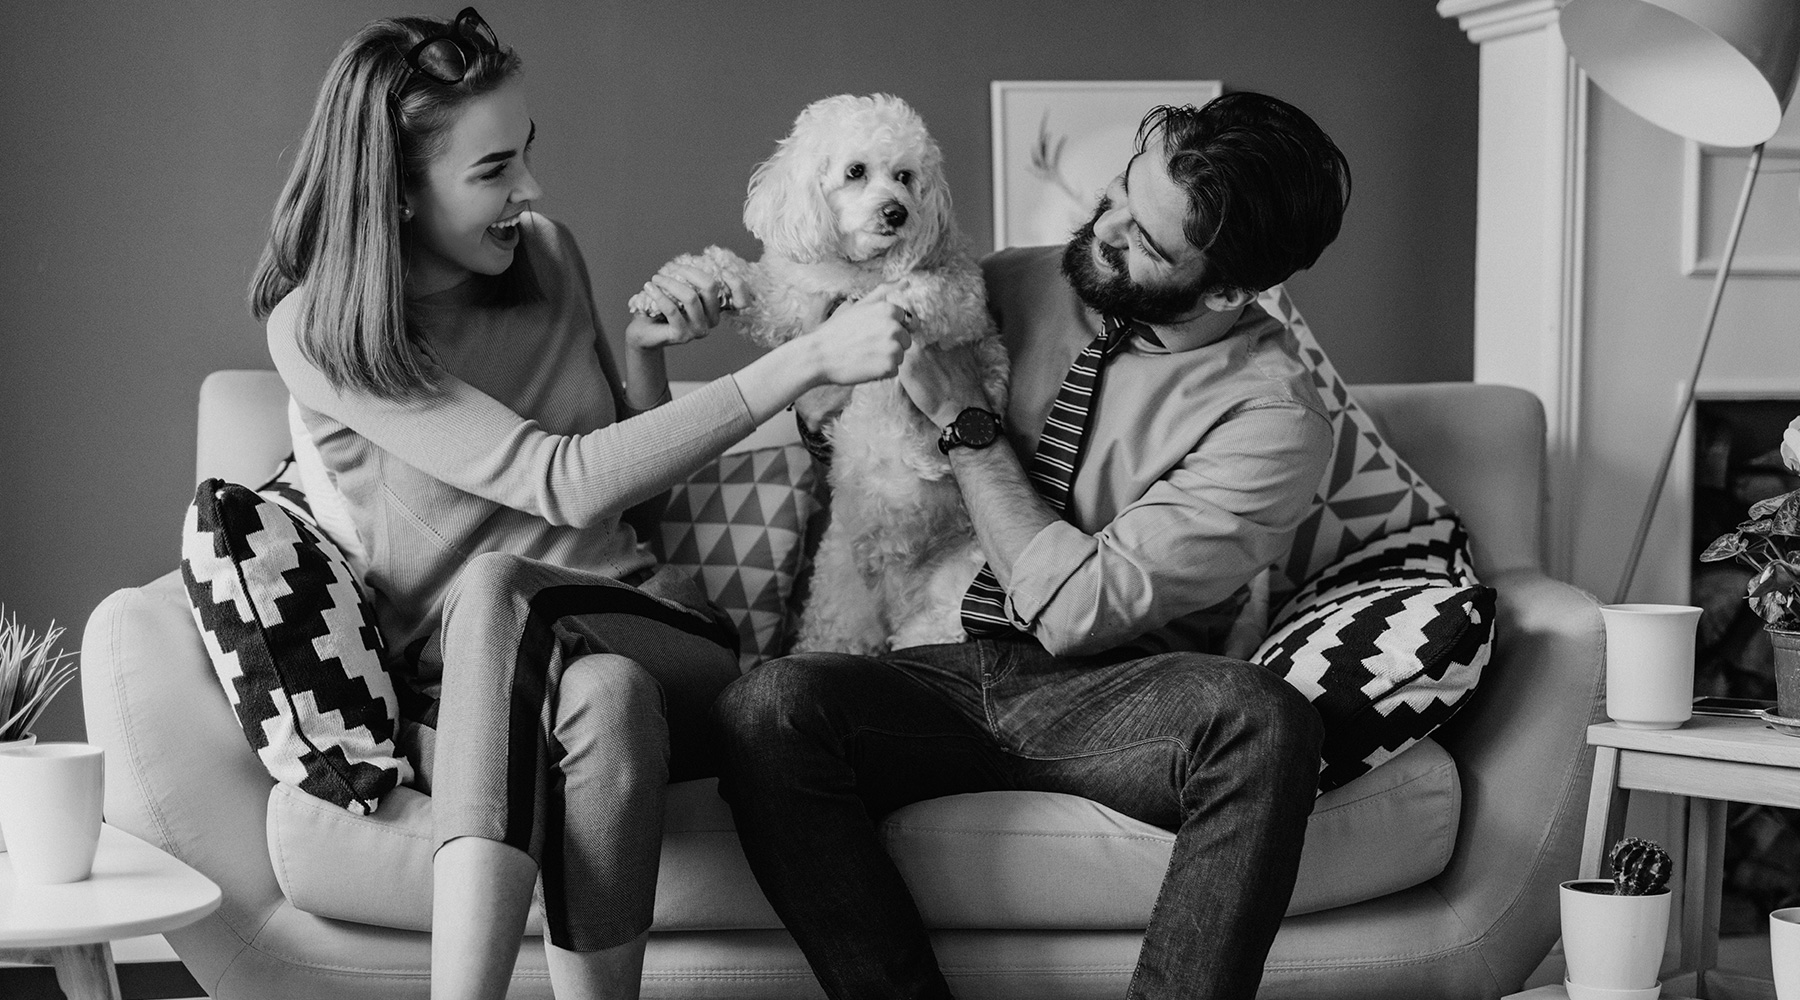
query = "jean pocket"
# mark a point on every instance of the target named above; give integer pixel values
(1005, 658)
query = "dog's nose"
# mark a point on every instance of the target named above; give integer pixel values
(894, 214)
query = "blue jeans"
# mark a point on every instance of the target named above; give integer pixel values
(817, 748)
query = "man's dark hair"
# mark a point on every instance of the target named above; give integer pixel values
(1266, 186)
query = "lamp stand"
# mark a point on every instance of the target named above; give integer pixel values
(1687, 396)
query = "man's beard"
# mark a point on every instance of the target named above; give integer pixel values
(1116, 293)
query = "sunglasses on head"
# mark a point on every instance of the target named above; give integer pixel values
(445, 56)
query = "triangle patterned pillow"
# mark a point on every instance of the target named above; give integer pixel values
(1368, 490)
(293, 639)
(740, 526)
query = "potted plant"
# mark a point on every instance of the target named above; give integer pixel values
(1769, 543)
(1614, 929)
(32, 672)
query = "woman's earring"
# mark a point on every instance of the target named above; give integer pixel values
(405, 213)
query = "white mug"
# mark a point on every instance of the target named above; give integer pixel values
(1650, 664)
(1784, 949)
(50, 799)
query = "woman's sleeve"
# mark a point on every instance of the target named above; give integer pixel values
(467, 439)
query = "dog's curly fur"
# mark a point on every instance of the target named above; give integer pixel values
(899, 550)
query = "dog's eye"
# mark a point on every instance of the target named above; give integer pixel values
(904, 176)
(855, 172)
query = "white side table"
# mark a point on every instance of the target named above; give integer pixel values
(1706, 763)
(135, 890)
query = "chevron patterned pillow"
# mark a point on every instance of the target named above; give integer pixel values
(739, 525)
(294, 641)
(1387, 644)
(1368, 490)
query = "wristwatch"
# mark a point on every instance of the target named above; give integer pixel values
(972, 428)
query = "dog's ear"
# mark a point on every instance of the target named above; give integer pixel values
(785, 207)
(930, 237)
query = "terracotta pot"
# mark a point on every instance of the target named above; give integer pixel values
(4, 746)
(1787, 672)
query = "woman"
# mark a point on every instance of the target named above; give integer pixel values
(442, 342)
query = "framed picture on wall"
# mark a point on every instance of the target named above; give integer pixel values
(1057, 143)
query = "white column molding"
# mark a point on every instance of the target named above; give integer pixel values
(1529, 229)
(1484, 20)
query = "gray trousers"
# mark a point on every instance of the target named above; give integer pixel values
(569, 701)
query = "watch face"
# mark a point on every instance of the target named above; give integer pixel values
(977, 427)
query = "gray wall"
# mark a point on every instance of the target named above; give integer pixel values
(145, 143)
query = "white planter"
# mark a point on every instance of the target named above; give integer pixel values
(1613, 944)
(4, 746)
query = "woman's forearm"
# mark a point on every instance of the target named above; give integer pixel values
(646, 378)
(779, 377)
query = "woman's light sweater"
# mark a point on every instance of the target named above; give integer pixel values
(521, 448)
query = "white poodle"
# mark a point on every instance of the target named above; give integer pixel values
(854, 197)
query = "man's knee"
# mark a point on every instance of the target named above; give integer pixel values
(1255, 703)
(766, 697)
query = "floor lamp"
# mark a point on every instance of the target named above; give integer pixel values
(1719, 72)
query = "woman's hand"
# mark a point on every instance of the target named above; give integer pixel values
(864, 340)
(1790, 445)
(691, 302)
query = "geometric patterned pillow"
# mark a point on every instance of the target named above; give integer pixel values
(738, 526)
(1387, 644)
(1368, 490)
(294, 642)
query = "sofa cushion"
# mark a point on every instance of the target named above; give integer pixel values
(739, 525)
(996, 860)
(1387, 644)
(292, 638)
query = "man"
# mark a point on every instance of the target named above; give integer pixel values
(1162, 441)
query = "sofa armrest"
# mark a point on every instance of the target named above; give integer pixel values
(179, 773)
(1521, 751)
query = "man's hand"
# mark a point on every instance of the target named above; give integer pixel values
(942, 382)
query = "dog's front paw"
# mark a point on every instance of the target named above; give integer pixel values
(715, 262)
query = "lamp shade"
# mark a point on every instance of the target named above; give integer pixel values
(1719, 72)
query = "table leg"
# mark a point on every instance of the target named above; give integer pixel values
(1702, 878)
(86, 971)
(1606, 812)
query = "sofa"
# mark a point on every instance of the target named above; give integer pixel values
(1433, 875)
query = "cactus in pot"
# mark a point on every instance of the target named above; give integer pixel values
(1614, 929)
(1640, 867)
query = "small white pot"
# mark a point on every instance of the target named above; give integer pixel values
(1613, 943)
(6, 745)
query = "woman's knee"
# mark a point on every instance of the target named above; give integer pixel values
(489, 587)
(608, 700)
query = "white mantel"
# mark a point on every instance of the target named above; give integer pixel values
(1587, 291)
(1529, 226)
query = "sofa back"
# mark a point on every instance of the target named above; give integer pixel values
(1481, 446)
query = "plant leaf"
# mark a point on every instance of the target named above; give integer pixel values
(1726, 546)
(1786, 519)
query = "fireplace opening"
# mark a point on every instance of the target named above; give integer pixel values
(1737, 461)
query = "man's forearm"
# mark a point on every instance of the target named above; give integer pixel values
(1006, 510)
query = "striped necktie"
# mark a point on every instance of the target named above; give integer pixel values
(1052, 470)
